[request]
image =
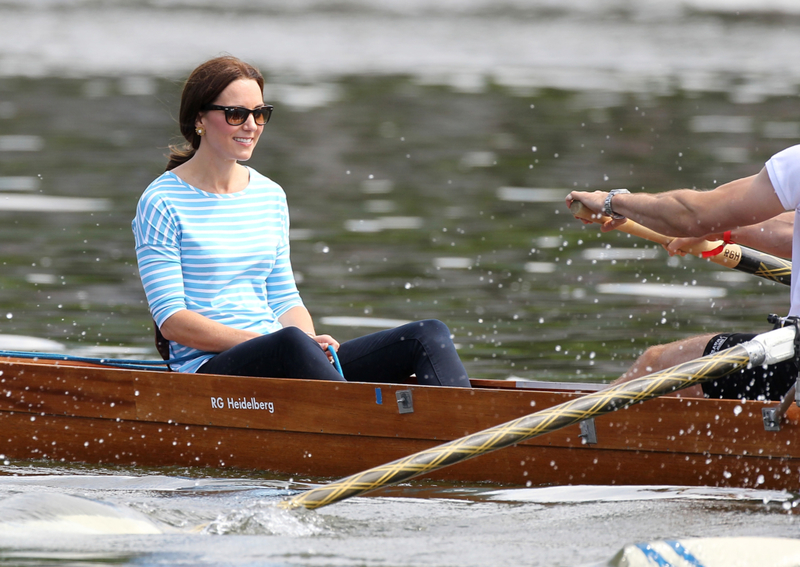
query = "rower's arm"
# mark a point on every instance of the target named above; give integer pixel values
(686, 212)
(773, 236)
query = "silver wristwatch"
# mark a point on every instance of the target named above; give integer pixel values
(607, 210)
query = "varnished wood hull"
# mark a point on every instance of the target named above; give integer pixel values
(71, 412)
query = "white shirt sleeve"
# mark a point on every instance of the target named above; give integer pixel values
(784, 173)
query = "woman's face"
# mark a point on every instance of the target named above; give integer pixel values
(232, 142)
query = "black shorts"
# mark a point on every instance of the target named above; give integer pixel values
(757, 383)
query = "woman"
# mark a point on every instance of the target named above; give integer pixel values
(212, 243)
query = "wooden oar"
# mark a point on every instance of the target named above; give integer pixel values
(768, 348)
(732, 256)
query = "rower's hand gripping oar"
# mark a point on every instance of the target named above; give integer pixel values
(768, 348)
(732, 256)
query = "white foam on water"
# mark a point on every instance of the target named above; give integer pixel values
(401, 223)
(302, 97)
(540, 267)
(466, 44)
(50, 204)
(41, 279)
(620, 253)
(374, 322)
(453, 263)
(35, 513)
(21, 342)
(597, 493)
(21, 143)
(19, 183)
(363, 225)
(663, 290)
(532, 195)
(383, 223)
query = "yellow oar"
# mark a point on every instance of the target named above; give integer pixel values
(768, 348)
(732, 256)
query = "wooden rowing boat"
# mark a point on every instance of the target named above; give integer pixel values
(70, 411)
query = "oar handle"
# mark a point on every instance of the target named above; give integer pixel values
(732, 256)
(630, 227)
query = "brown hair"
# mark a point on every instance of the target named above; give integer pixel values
(203, 87)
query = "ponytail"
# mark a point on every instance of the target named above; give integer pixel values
(180, 154)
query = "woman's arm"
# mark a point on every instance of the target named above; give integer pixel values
(196, 331)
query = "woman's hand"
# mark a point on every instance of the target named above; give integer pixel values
(300, 317)
(324, 341)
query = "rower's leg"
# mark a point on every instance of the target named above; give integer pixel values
(659, 357)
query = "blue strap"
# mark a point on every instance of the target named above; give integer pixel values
(131, 364)
(335, 358)
(116, 362)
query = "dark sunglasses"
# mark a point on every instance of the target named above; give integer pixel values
(237, 115)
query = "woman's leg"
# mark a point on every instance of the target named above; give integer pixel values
(288, 353)
(423, 348)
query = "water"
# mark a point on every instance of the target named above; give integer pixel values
(425, 149)
(198, 520)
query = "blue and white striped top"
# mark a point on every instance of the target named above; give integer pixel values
(224, 256)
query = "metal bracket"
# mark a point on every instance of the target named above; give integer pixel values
(779, 322)
(773, 415)
(404, 402)
(588, 432)
(772, 420)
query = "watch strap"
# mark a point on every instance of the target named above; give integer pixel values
(607, 209)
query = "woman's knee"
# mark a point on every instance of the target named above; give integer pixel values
(293, 334)
(432, 329)
(295, 340)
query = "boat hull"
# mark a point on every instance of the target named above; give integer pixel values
(85, 413)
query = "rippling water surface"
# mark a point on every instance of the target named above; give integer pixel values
(425, 149)
(90, 516)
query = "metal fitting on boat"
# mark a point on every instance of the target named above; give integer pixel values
(771, 347)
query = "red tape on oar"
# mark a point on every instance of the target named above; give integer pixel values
(726, 239)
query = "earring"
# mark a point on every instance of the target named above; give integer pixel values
(200, 130)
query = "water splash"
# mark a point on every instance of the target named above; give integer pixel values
(265, 518)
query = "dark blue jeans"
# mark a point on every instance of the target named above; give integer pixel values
(422, 348)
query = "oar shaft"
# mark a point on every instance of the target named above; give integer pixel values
(616, 397)
(732, 256)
